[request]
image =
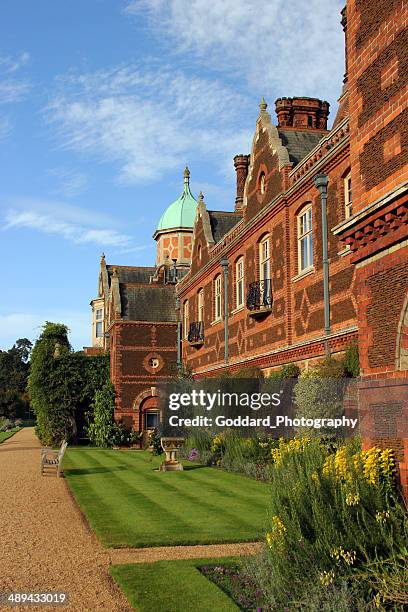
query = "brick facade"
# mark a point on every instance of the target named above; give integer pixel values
(377, 50)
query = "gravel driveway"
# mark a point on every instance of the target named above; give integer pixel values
(45, 545)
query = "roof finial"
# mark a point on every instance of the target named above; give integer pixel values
(263, 105)
(103, 256)
(186, 176)
(200, 197)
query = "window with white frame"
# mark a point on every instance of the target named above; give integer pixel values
(185, 319)
(305, 239)
(200, 305)
(239, 283)
(217, 298)
(264, 259)
(348, 196)
(98, 314)
(98, 329)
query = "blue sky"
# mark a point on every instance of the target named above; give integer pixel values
(103, 103)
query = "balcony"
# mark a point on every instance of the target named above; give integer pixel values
(195, 335)
(259, 298)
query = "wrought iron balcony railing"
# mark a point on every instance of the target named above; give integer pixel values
(259, 298)
(196, 333)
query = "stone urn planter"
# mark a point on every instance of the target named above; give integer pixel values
(171, 447)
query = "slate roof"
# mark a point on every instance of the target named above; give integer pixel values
(132, 274)
(222, 222)
(150, 303)
(300, 142)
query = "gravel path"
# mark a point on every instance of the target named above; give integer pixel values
(45, 544)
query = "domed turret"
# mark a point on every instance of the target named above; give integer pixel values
(175, 229)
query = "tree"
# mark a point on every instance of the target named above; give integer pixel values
(14, 370)
(101, 424)
(62, 384)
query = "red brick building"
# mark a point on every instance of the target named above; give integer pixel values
(251, 286)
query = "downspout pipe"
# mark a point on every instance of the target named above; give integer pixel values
(224, 266)
(179, 361)
(321, 182)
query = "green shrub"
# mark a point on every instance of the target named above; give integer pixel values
(352, 360)
(330, 515)
(101, 428)
(156, 443)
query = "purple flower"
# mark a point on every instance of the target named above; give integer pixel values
(193, 454)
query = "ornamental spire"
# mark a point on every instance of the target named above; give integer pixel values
(263, 105)
(186, 176)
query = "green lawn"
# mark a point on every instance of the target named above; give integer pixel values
(5, 435)
(128, 503)
(172, 586)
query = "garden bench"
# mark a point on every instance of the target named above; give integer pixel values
(52, 460)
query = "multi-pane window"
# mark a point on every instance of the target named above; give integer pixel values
(98, 314)
(185, 319)
(200, 304)
(305, 239)
(152, 419)
(98, 329)
(217, 298)
(239, 282)
(348, 196)
(264, 259)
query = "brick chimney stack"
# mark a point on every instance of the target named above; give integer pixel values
(241, 164)
(307, 113)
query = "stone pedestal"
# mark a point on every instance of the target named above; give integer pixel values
(171, 447)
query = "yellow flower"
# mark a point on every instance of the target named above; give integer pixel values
(377, 600)
(352, 499)
(326, 578)
(339, 554)
(276, 537)
(381, 517)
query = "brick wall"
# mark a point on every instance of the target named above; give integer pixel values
(142, 356)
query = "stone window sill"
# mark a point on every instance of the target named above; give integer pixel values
(216, 321)
(303, 274)
(239, 309)
(346, 251)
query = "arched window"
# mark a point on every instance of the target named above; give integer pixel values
(348, 196)
(262, 183)
(200, 305)
(239, 283)
(185, 319)
(305, 239)
(217, 297)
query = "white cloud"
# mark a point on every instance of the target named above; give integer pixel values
(22, 324)
(279, 47)
(70, 182)
(75, 233)
(12, 89)
(148, 119)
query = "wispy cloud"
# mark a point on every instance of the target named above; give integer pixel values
(12, 88)
(279, 46)
(147, 118)
(74, 233)
(70, 182)
(72, 223)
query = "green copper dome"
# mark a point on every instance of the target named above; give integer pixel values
(182, 212)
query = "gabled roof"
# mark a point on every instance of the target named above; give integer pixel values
(132, 274)
(222, 222)
(150, 303)
(300, 142)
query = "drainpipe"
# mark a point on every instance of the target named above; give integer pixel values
(224, 266)
(179, 363)
(321, 181)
